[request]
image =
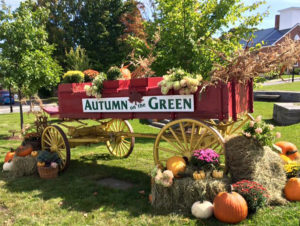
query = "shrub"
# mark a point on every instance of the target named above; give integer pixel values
(73, 77)
(89, 75)
(254, 193)
(114, 73)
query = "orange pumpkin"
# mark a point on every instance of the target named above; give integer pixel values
(23, 151)
(41, 164)
(9, 156)
(230, 207)
(288, 149)
(176, 164)
(34, 153)
(292, 189)
(125, 72)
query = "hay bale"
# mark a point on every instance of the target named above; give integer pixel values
(246, 159)
(184, 192)
(23, 166)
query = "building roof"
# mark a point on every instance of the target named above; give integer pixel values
(290, 8)
(268, 36)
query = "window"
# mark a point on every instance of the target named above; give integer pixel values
(296, 38)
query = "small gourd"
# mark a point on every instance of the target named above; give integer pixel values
(34, 154)
(202, 210)
(217, 174)
(41, 164)
(199, 175)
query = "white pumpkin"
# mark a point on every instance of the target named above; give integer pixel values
(7, 166)
(202, 210)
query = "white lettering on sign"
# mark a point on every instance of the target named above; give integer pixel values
(174, 103)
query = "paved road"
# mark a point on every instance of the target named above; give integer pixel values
(279, 81)
(5, 109)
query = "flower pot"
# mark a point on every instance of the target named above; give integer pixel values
(217, 174)
(199, 175)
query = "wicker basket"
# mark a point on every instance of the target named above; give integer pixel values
(47, 172)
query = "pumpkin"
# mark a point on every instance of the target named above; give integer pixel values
(41, 164)
(23, 151)
(199, 175)
(230, 207)
(285, 159)
(9, 156)
(202, 210)
(34, 153)
(292, 189)
(217, 174)
(288, 149)
(176, 164)
(125, 72)
(7, 166)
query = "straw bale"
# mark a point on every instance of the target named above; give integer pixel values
(23, 166)
(246, 159)
(184, 192)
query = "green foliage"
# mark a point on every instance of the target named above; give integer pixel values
(77, 60)
(189, 31)
(25, 59)
(114, 73)
(73, 77)
(260, 131)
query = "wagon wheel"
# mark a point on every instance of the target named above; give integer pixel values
(54, 139)
(231, 127)
(181, 137)
(120, 145)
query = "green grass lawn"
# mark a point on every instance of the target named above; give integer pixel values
(71, 199)
(295, 86)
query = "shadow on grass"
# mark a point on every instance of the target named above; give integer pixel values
(77, 187)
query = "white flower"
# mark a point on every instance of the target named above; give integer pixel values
(251, 124)
(258, 118)
(271, 127)
(248, 134)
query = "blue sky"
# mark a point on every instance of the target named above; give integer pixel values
(274, 6)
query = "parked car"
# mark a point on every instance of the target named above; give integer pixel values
(4, 97)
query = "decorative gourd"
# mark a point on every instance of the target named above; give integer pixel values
(199, 175)
(230, 207)
(285, 159)
(292, 189)
(23, 151)
(176, 164)
(9, 156)
(34, 153)
(126, 74)
(7, 166)
(202, 210)
(217, 174)
(288, 149)
(41, 164)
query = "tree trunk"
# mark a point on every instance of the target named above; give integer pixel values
(21, 109)
(10, 102)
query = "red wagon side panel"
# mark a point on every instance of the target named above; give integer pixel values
(216, 102)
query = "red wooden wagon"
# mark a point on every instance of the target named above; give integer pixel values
(197, 121)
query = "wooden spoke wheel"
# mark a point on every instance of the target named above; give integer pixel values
(54, 139)
(120, 144)
(231, 127)
(181, 137)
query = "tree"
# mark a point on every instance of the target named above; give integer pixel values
(189, 31)
(77, 60)
(25, 54)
